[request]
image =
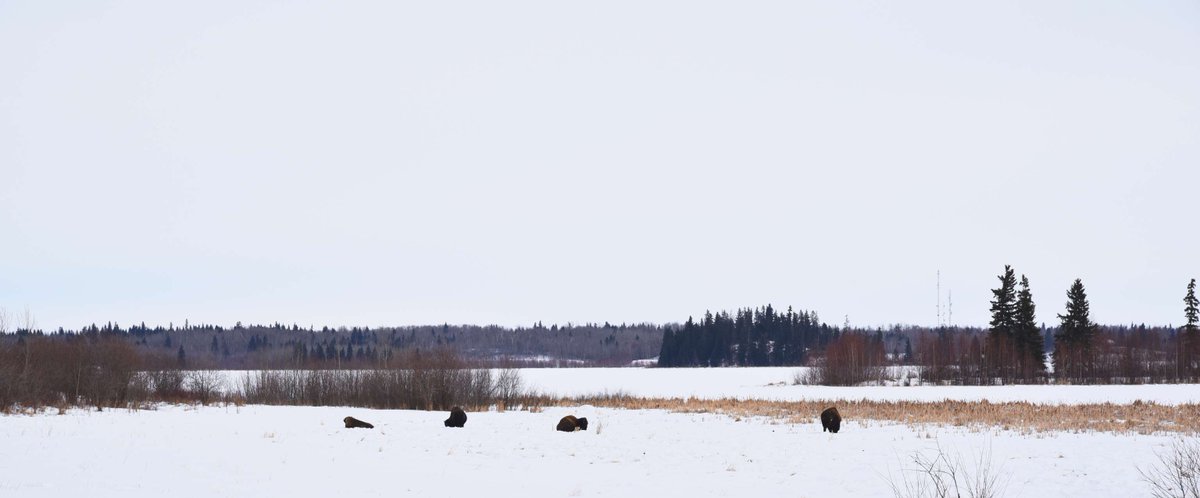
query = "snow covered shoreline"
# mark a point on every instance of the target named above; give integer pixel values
(775, 384)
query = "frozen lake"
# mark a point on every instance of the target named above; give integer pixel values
(775, 383)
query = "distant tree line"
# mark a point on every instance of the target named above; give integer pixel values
(102, 371)
(1013, 349)
(749, 337)
(291, 346)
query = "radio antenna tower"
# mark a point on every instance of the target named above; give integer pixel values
(950, 304)
(939, 298)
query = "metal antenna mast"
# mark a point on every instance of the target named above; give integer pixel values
(939, 298)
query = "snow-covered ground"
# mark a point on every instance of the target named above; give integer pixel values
(775, 383)
(304, 452)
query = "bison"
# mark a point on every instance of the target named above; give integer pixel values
(831, 420)
(458, 417)
(353, 423)
(571, 424)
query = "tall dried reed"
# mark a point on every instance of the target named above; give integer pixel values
(1138, 417)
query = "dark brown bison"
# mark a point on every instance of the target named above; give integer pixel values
(571, 424)
(353, 423)
(831, 420)
(458, 417)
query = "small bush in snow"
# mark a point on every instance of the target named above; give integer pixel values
(939, 475)
(1177, 474)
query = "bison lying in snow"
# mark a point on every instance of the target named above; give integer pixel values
(571, 424)
(831, 420)
(458, 417)
(353, 423)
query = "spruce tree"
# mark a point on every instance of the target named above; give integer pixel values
(666, 353)
(1003, 304)
(1190, 306)
(1073, 343)
(1190, 339)
(1029, 335)
(1001, 336)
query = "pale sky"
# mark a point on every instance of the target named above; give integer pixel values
(390, 163)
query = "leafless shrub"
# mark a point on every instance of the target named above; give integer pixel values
(810, 376)
(1177, 474)
(114, 365)
(140, 389)
(939, 475)
(37, 371)
(390, 389)
(508, 387)
(167, 384)
(205, 386)
(430, 381)
(849, 360)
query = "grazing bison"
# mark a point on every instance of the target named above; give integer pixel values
(458, 417)
(571, 424)
(353, 423)
(831, 420)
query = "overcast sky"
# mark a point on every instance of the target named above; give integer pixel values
(378, 162)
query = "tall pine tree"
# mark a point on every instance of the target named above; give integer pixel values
(1073, 342)
(1190, 339)
(1190, 306)
(1001, 340)
(1003, 303)
(1028, 334)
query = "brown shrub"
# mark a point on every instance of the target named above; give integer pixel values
(849, 360)
(100, 371)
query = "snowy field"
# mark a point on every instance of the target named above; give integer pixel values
(775, 383)
(304, 452)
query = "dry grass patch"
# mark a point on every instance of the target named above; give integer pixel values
(1138, 417)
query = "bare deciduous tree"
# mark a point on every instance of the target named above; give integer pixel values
(509, 387)
(205, 385)
(28, 321)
